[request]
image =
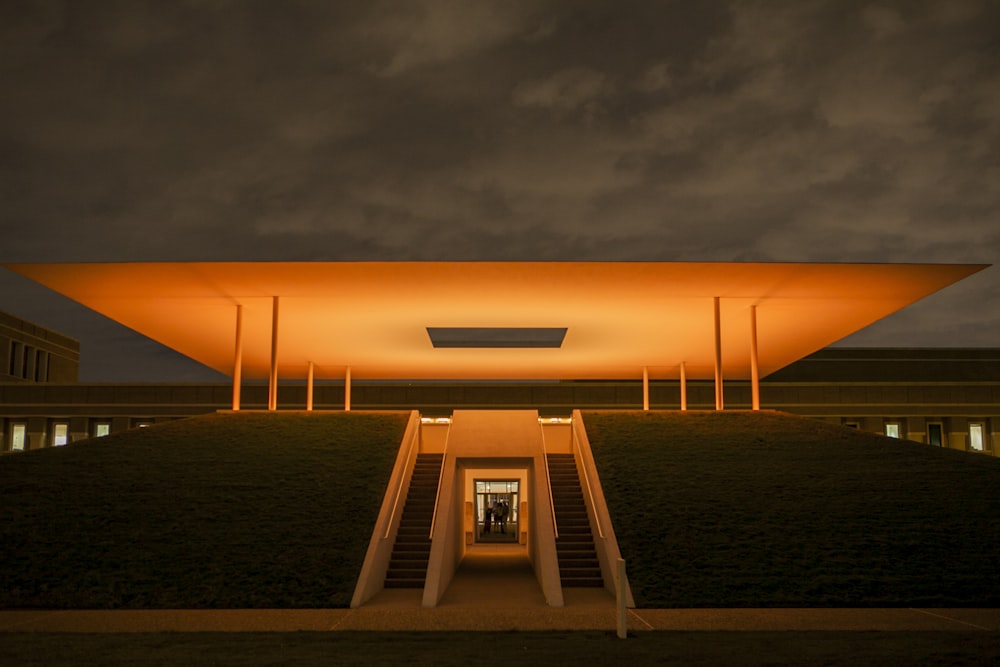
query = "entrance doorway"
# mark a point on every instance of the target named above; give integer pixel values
(935, 434)
(497, 507)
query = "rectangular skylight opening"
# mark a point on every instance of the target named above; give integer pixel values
(497, 337)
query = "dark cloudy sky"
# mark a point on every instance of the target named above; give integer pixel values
(807, 130)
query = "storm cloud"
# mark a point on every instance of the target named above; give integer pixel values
(818, 130)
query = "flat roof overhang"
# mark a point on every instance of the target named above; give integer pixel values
(373, 317)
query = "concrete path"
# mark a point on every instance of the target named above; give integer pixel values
(570, 617)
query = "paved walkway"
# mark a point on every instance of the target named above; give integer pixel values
(570, 617)
(495, 589)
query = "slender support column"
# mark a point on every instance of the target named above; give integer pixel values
(718, 355)
(684, 387)
(238, 358)
(754, 368)
(347, 390)
(272, 385)
(645, 388)
(309, 386)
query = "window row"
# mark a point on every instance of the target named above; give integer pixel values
(977, 437)
(19, 438)
(27, 362)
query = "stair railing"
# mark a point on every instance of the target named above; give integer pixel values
(548, 476)
(578, 455)
(402, 484)
(437, 496)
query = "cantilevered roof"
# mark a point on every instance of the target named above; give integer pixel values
(375, 317)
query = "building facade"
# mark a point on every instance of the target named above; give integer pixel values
(35, 354)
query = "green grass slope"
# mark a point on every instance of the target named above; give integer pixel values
(741, 509)
(243, 510)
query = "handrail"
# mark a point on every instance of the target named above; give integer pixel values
(437, 497)
(399, 487)
(548, 478)
(586, 479)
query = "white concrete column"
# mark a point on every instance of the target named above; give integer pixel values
(645, 388)
(272, 385)
(347, 390)
(754, 367)
(238, 358)
(718, 355)
(684, 387)
(309, 386)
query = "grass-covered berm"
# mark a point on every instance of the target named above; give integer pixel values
(743, 509)
(246, 510)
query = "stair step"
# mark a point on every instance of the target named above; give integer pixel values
(579, 572)
(575, 550)
(573, 534)
(407, 560)
(590, 582)
(411, 551)
(407, 572)
(413, 539)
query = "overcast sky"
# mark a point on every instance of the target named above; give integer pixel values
(804, 130)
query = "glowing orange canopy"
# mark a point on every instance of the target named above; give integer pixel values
(374, 316)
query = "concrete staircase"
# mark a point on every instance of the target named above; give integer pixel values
(578, 564)
(408, 563)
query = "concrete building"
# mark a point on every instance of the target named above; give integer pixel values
(35, 354)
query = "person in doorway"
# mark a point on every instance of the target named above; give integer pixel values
(487, 518)
(502, 516)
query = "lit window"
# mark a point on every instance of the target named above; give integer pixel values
(60, 435)
(102, 429)
(18, 437)
(892, 430)
(977, 441)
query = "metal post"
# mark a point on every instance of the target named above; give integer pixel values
(272, 385)
(718, 355)
(684, 387)
(620, 598)
(309, 386)
(347, 390)
(238, 358)
(645, 388)
(754, 368)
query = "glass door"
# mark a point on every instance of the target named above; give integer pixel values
(497, 510)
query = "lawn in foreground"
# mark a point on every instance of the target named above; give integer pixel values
(743, 509)
(530, 648)
(242, 510)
